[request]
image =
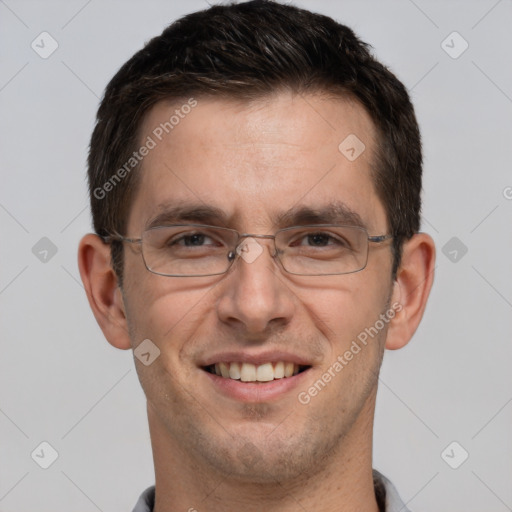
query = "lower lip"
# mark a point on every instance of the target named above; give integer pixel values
(255, 391)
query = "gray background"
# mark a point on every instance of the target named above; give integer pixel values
(62, 383)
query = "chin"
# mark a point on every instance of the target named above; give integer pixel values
(265, 458)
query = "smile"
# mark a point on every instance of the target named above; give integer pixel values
(248, 372)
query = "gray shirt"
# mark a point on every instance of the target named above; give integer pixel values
(387, 496)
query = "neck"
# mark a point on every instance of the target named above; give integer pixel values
(341, 481)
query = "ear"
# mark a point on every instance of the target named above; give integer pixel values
(103, 292)
(411, 289)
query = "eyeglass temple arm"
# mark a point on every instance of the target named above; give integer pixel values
(116, 237)
(379, 238)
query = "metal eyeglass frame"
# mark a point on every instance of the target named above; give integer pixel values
(233, 253)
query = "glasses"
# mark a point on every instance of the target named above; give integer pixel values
(196, 250)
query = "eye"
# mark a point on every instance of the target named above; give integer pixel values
(319, 239)
(192, 240)
(185, 239)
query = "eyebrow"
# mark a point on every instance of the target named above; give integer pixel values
(188, 212)
(335, 212)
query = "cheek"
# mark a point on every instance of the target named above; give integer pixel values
(168, 311)
(169, 321)
(356, 335)
(350, 304)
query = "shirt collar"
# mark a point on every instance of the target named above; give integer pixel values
(387, 496)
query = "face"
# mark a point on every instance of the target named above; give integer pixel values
(244, 166)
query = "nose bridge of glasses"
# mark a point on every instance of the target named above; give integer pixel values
(249, 249)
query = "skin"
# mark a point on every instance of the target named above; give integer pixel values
(254, 161)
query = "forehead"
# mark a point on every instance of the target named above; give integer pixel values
(254, 162)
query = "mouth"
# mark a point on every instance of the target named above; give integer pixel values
(255, 373)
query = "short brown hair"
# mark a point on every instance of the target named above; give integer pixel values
(246, 51)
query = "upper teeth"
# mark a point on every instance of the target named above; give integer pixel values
(248, 372)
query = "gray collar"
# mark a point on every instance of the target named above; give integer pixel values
(385, 492)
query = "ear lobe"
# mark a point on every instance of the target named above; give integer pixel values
(103, 292)
(411, 289)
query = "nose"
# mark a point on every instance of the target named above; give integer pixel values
(255, 297)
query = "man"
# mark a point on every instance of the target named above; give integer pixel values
(255, 179)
